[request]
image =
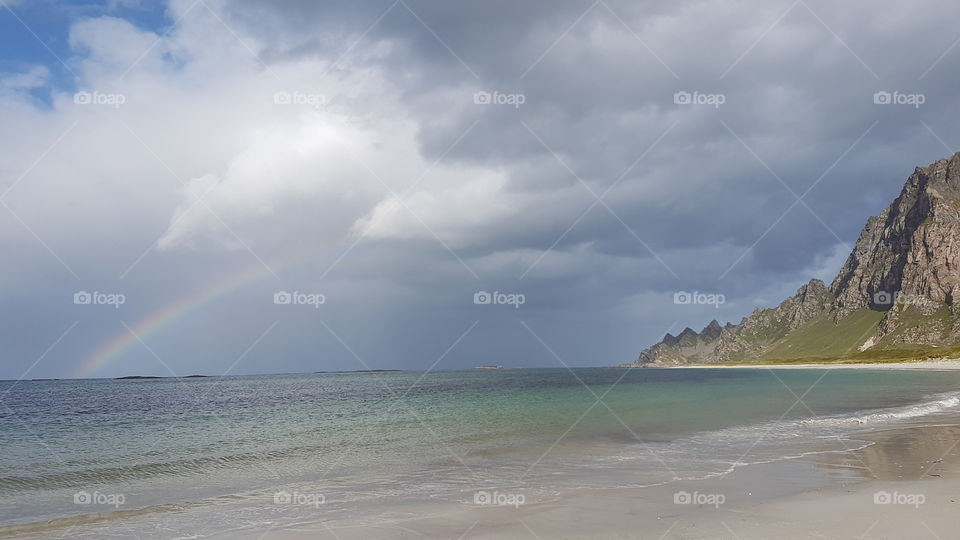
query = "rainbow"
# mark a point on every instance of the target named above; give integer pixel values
(116, 346)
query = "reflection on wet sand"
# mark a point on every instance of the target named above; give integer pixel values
(910, 453)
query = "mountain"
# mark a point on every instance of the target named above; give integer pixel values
(898, 291)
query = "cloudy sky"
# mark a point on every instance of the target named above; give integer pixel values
(170, 175)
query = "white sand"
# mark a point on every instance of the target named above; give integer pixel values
(824, 497)
(650, 514)
(940, 364)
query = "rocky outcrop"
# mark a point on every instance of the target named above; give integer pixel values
(905, 265)
(911, 250)
(688, 344)
(716, 343)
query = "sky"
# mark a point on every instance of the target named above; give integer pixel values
(237, 187)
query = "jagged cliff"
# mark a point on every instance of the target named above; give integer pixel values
(900, 287)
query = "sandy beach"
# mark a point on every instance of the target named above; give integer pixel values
(905, 485)
(945, 364)
(831, 496)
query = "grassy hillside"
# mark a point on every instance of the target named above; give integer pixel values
(823, 338)
(911, 322)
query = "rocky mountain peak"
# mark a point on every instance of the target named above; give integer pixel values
(912, 248)
(712, 330)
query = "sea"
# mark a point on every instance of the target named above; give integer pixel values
(191, 457)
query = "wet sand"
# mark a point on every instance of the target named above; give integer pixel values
(906, 485)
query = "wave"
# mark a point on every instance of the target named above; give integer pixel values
(948, 401)
(931, 405)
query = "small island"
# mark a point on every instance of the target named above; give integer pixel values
(151, 377)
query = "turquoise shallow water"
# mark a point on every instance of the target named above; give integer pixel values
(181, 457)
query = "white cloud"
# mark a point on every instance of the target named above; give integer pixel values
(460, 204)
(34, 77)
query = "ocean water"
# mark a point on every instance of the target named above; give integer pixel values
(184, 458)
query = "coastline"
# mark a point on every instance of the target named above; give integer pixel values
(828, 495)
(946, 364)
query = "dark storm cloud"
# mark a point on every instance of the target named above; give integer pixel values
(598, 96)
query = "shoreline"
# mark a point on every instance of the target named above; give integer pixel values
(951, 364)
(829, 495)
